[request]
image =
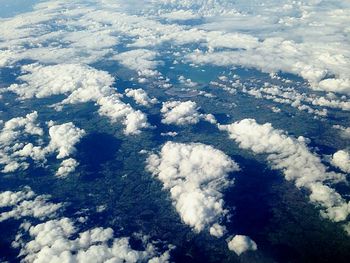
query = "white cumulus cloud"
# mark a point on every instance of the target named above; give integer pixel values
(297, 163)
(26, 203)
(140, 96)
(67, 166)
(341, 159)
(182, 113)
(80, 83)
(195, 175)
(240, 244)
(63, 139)
(59, 240)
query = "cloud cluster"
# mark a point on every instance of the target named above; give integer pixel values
(63, 139)
(26, 203)
(341, 159)
(60, 239)
(195, 175)
(240, 244)
(182, 113)
(286, 93)
(21, 139)
(11, 143)
(80, 83)
(297, 163)
(140, 96)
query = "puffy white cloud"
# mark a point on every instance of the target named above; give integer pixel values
(344, 131)
(187, 82)
(341, 159)
(9, 198)
(11, 142)
(195, 174)
(140, 96)
(67, 166)
(217, 230)
(171, 134)
(63, 139)
(27, 124)
(15, 148)
(70, 79)
(26, 203)
(59, 240)
(297, 163)
(240, 244)
(114, 109)
(182, 113)
(80, 84)
(140, 60)
(287, 95)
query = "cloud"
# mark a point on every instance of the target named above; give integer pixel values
(171, 134)
(140, 60)
(60, 241)
(272, 29)
(26, 203)
(344, 131)
(11, 142)
(182, 113)
(264, 59)
(140, 96)
(187, 82)
(180, 15)
(116, 110)
(240, 244)
(15, 148)
(297, 163)
(80, 83)
(341, 159)
(67, 166)
(93, 39)
(63, 139)
(195, 175)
